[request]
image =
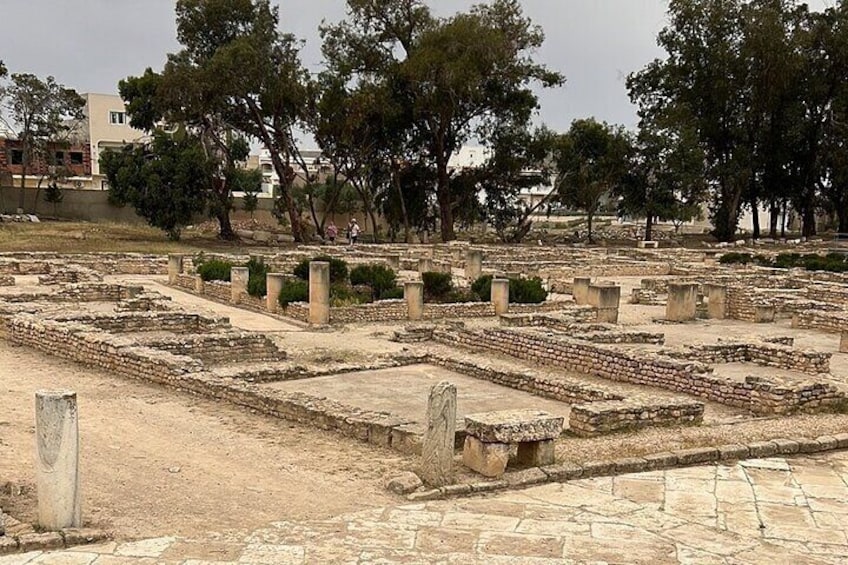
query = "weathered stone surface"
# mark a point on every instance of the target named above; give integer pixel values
(57, 461)
(488, 459)
(536, 453)
(438, 444)
(513, 426)
(404, 483)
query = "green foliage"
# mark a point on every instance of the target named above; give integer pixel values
(527, 291)
(343, 295)
(395, 293)
(214, 270)
(437, 286)
(257, 280)
(166, 182)
(293, 290)
(832, 262)
(734, 258)
(379, 278)
(521, 291)
(338, 269)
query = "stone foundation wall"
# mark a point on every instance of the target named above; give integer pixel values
(599, 418)
(219, 290)
(742, 302)
(130, 322)
(774, 355)
(45, 263)
(218, 348)
(831, 322)
(65, 276)
(687, 377)
(831, 293)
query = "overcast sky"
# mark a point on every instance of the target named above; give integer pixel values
(91, 44)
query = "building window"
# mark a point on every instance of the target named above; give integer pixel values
(59, 158)
(16, 157)
(76, 157)
(117, 118)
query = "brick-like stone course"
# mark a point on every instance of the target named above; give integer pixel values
(598, 418)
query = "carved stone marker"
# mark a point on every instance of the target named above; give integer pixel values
(238, 283)
(437, 448)
(500, 295)
(413, 292)
(716, 302)
(273, 286)
(580, 290)
(57, 459)
(682, 302)
(473, 265)
(175, 267)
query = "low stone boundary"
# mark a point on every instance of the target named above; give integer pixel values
(687, 377)
(130, 322)
(46, 263)
(599, 418)
(217, 348)
(69, 275)
(563, 472)
(43, 541)
(830, 322)
(766, 355)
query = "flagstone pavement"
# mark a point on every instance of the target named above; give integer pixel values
(758, 511)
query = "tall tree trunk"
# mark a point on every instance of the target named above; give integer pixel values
(808, 228)
(589, 225)
(225, 227)
(755, 215)
(21, 194)
(649, 225)
(774, 218)
(783, 221)
(443, 194)
(842, 215)
(407, 231)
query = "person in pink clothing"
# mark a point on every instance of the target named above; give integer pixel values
(332, 232)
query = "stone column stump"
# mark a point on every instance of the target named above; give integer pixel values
(682, 302)
(175, 267)
(273, 287)
(425, 265)
(238, 283)
(500, 296)
(440, 436)
(716, 302)
(580, 290)
(413, 293)
(607, 299)
(57, 459)
(319, 293)
(473, 265)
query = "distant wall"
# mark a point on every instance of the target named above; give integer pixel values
(89, 205)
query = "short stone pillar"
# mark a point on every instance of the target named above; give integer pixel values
(843, 343)
(319, 293)
(273, 287)
(198, 284)
(439, 437)
(425, 265)
(57, 459)
(580, 290)
(716, 302)
(393, 261)
(682, 302)
(607, 299)
(238, 283)
(473, 264)
(413, 293)
(500, 296)
(764, 313)
(175, 267)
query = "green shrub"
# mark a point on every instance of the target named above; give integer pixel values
(338, 268)
(527, 291)
(460, 296)
(214, 270)
(788, 260)
(378, 278)
(257, 279)
(392, 294)
(293, 290)
(763, 261)
(735, 258)
(343, 295)
(482, 287)
(437, 286)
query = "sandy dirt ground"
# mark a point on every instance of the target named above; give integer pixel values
(157, 462)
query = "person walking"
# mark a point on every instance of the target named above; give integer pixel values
(353, 231)
(332, 232)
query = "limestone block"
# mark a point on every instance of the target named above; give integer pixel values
(319, 293)
(500, 295)
(843, 342)
(57, 459)
(682, 302)
(764, 314)
(175, 267)
(438, 443)
(473, 264)
(198, 284)
(536, 453)
(716, 302)
(513, 426)
(488, 459)
(273, 286)
(238, 283)
(580, 290)
(647, 244)
(404, 483)
(413, 293)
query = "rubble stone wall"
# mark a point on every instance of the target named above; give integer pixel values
(831, 322)
(599, 418)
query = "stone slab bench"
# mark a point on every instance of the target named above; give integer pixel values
(489, 436)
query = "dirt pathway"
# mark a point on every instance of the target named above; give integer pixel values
(157, 462)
